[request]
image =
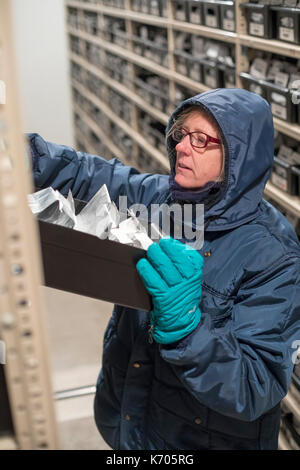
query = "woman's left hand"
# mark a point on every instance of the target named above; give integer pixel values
(172, 274)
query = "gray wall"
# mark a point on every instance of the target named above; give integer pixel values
(43, 70)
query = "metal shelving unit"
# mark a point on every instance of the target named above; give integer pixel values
(26, 368)
(239, 39)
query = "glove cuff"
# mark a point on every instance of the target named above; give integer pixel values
(166, 337)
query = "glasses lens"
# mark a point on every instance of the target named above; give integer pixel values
(177, 135)
(198, 139)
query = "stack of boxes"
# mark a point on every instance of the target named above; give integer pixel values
(274, 19)
(205, 60)
(214, 14)
(276, 79)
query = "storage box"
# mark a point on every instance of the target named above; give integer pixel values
(212, 74)
(83, 264)
(145, 6)
(280, 100)
(195, 69)
(227, 16)
(282, 176)
(296, 175)
(181, 63)
(196, 11)
(261, 20)
(228, 78)
(253, 84)
(287, 24)
(211, 14)
(181, 10)
(136, 5)
(158, 7)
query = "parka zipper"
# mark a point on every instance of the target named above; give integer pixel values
(150, 333)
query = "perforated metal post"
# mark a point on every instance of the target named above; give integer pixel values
(26, 363)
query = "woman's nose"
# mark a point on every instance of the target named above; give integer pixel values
(184, 145)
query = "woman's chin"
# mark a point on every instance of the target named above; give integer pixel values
(185, 182)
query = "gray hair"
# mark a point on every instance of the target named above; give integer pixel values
(178, 123)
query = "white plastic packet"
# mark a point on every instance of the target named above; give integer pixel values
(100, 216)
(51, 206)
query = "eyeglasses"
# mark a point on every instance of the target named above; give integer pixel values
(198, 140)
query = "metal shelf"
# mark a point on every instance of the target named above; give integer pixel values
(239, 39)
(8, 443)
(291, 402)
(116, 152)
(141, 61)
(161, 22)
(204, 31)
(292, 130)
(123, 125)
(291, 203)
(270, 45)
(282, 442)
(27, 372)
(122, 89)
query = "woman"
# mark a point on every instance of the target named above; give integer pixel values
(218, 360)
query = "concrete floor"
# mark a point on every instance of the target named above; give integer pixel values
(75, 327)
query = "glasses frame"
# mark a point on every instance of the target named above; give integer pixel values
(208, 138)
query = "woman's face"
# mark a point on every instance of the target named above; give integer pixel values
(194, 168)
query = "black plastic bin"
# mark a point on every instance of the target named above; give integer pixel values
(212, 74)
(195, 69)
(280, 100)
(195, 11)
(145, 6)
(83, 264)
(181, 63)
(253, 84)
(136, 5)
(287, 24)
(227, 16)
(228, 78)
(211, 14)
(261, 20)
(157, 7)
(283, 177)
(296, 175)
(181, 10)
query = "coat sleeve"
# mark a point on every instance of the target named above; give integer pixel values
(244, 369)
(63, 168)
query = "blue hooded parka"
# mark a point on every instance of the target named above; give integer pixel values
(220, 387)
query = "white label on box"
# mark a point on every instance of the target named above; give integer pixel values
(279, 181)
(180, 15)
(228, 25)
(211, 81)
(282, 79)
(279, 111)
(281, 172)
(287, 34)
(195, 18)
(256, 29)
(211, 21)
(182, 69)
(195, 74)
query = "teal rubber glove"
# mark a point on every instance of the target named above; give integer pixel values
(172, 274)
